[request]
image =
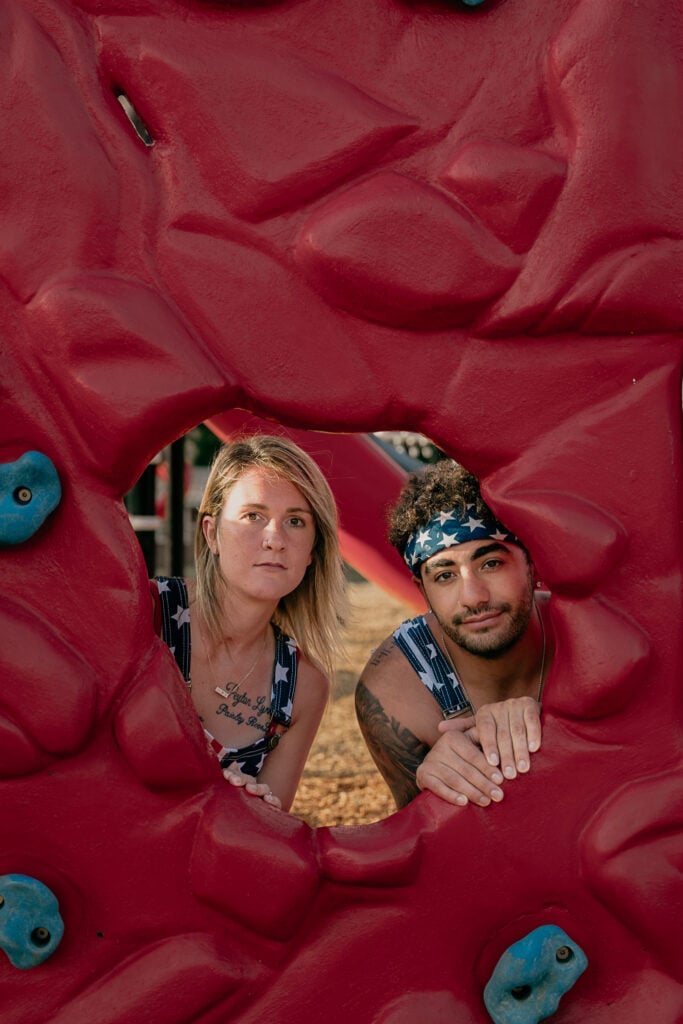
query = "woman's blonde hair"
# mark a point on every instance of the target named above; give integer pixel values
(313, 613)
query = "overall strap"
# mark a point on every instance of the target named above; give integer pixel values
(284, 677)
(175, 620)
(416, 641)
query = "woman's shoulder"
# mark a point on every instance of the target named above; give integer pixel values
(312, 681)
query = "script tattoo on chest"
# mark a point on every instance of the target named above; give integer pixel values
(240, 708)
(396, 751)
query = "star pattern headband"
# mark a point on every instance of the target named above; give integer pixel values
(450, 528)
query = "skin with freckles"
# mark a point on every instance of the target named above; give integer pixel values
(263, 541)
(259, 539)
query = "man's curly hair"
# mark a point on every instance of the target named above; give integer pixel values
(443, 486)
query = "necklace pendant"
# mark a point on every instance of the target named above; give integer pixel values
(221, 692)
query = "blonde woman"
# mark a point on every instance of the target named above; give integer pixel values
(255, 633)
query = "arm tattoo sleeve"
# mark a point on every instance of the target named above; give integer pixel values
(395, 750)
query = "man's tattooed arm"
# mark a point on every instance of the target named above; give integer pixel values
(395, 750)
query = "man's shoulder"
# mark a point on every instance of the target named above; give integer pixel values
(385, 653)
(386, 662)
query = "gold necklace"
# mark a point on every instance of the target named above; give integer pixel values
(462, 685)
(240, 682)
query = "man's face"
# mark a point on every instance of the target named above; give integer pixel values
(482, 593)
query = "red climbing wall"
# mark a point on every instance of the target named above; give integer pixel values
(354, 215)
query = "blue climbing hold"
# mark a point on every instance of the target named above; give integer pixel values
(31, 927)
(532, 976)
(29, 491)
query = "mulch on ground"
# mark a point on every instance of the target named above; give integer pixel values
(341, 785)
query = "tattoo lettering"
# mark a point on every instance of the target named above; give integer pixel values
(383, 651)
(261, 711)
(395, 750)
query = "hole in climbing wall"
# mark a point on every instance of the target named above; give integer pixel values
(340, 784)
(141, 129)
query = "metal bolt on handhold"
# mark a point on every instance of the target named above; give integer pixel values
(40, 936)
(29, 492)
(532, 976)
(31, 926)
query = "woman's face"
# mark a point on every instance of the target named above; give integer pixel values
(264, 535)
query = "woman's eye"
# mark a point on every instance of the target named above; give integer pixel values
(251, 516)
(297, 521)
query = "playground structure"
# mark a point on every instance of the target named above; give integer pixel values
(460, 219)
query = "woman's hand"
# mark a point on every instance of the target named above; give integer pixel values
(252, 786)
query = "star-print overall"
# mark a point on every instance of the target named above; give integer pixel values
(416, 641)
(175, 631)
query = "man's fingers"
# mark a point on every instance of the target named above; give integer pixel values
(532, 718)
(457, 779)
(458, 790)
(457, 725)
(495, 740)
(509, 732)
(487, 735)
(525, 726)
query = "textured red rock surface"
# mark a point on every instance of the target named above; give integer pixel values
(516, 299)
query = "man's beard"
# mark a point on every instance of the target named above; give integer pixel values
(494, 646)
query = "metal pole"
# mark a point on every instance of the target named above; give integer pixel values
(176, 506)
(140, 504)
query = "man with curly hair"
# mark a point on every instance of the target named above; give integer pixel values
(451, 701)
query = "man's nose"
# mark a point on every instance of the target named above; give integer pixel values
(473, 590)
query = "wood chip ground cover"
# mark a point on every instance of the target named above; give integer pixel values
(341, 785)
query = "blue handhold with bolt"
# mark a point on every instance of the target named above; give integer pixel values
(31, 927)
(29, 492)
(532, 976)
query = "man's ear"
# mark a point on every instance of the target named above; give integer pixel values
(417, 580)
(209, 531)
(537, 581)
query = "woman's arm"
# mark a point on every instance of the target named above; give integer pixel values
(285, 765)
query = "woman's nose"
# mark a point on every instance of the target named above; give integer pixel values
(272, 535)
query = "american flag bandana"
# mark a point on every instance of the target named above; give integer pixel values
(450, 528)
